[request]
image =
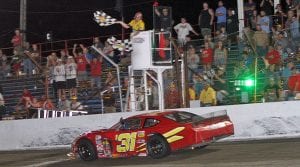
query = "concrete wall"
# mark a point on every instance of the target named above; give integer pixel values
(251, 121)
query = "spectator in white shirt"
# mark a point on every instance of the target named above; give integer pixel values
(183, 29)
(71, 76)
(60, 78)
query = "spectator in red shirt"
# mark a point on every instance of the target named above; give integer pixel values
(96, 72)
(81, 65)
(207, 56)
(273, 58)
(17, 39)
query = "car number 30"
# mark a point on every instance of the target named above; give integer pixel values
(127, 142)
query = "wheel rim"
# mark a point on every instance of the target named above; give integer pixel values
(84, 151)
(156, 147)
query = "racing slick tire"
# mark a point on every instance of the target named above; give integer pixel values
(86, 150)
(158, 147)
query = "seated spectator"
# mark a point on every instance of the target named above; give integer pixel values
(64, 104)
(26, 101)
(220, 86)
(96, 72)
(192, 92)
(172, 97)
(110, 80)
(4, 66)
(273, 59)
(271, 91)
(208, 96)
(2, 103)
(71, 76)
(34, 105)
(281, 40)
(206, 56)
(286, 73)
(220, 55)
(75, 105)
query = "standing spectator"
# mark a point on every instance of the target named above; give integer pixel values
(205, 20)
(71, 75)
(153, 99)
(206, 56)
(208, 96)
(264, 22)
(51, 60)
(164, 19)
(86, 53)
(16, 62)
(17, 40)
(192, 61)
(292, 25)
(221, 15)
(64, 56)
(60, 78)
(261, 41)
(137, 24)
(249, 7)
(254, 20)
(2, 103)
(108, 50)
(220, 86)
(81, 65)
(220, 56)
(96, 72)
(35, 53)
(271, 91)
(232, 25)
(97, 43)
(267, 6)
(28, 65)
(282, 40)
(183, 30)
(280, 16)
(222, 36)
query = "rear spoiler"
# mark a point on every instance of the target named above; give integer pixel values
(215, 114)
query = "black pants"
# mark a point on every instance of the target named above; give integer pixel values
(2, 110)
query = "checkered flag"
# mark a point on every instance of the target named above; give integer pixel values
(124, 45)
(103, 19)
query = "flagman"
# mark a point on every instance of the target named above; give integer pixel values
(137, 24)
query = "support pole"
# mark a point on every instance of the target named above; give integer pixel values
(23, 19)
(241, 16)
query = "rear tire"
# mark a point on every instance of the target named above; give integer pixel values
(158, 147)
(86, 150)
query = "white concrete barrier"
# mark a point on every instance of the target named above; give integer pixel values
(251, 121)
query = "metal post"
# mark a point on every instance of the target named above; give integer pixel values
(23, 20)
(241, 16)
(185, 78)
(146, 90)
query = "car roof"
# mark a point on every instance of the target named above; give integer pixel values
(154, 114)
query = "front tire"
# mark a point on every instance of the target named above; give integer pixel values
(158, 147)
(86, 150)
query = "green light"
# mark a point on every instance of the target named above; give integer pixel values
(249, 82)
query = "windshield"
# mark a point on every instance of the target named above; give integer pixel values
(128, 124)
(184, 117)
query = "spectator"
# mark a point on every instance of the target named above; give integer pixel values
(271, 91)
(249, 7)
(286, 73)
(164, 19)
(16, 62)
(34, 105)
(183, 30)
(17, 40)
(221, 15)
(280, 16)
(28, 65)
(60, 78)
(273, 58)
(192, 61)
(137, 24)
(232, 26)
(281, 40)
(96, 72)
(267, 6)
(222, 36)
(2, 103)
(172, 97)
(97, 43)
(264, 22)
(192, 92)
(25, 100)
(75, 105)
(71, 75)
(51, 60)
(64, 56)
(64, 104)
(206, 56)
(207, 96)
(81, 65)
(261, 41)
(4, 66)
(108, 50)
(254, 20)
(220, 86)
(205, 20)
(292, 26)
(35, 53)
(46, 103)
(220, 55)
(153, 98)
(86, 53)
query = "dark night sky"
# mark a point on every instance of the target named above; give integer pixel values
(53, 15)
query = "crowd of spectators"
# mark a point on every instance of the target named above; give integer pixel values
(272, 36)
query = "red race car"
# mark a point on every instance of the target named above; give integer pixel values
(156, 134)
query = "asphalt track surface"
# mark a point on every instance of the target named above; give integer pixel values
(267, 153)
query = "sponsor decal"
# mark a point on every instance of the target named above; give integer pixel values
(138, 40)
